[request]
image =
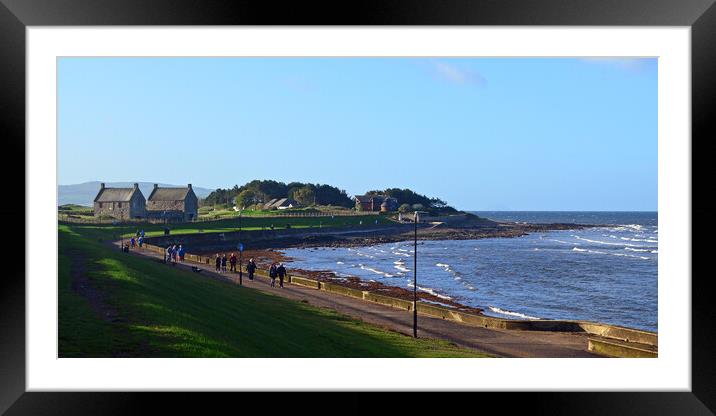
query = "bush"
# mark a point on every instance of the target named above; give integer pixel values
(404, 208)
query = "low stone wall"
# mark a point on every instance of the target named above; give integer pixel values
(302, 281)
(443, 312)
(345, 291)
(620, 332)
(615, 349)
(388, 301)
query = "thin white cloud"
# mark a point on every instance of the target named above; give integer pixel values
(457, 75)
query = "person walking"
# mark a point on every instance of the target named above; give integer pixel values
(141, 233)
(140, 241)
(174, 254)
(168, 254)
(182, 251)
(251, 268)
(272, 274)
(131, 243)
(281, 272)
(232, 261)
(223, 263)
(218, 263)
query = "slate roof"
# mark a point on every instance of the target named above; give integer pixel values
(168, 194)
(270, 203)
(368, 198)
(284, 202)
(115, 194)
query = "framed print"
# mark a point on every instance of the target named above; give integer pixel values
(399, 198)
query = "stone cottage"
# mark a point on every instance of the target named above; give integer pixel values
(120, 203)
(376, 203)
(173, 204)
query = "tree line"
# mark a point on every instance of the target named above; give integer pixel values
(413, 201)
(262, 191)
(307, 194)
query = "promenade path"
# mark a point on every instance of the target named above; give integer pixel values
(497, 342)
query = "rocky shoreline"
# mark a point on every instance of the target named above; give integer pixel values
(271, 252)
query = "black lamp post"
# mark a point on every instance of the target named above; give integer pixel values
(241, 251)
(415, 277)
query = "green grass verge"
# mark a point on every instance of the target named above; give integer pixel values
(108, 231)
(166, 312)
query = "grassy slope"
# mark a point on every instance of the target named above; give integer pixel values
(173, 313)
(227, 225)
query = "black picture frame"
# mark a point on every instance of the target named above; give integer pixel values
(699, 15)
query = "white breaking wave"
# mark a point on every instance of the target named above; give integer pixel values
(605, 242)
(640, 240)
(431, 291)
(376, 271)
(402, 268)
(339, 262)
(436, 303)
(510, 313)
(609, 254)
(456, 275)
(636, 249)
(560, 241)
(634, 226)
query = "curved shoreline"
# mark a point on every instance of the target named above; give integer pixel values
(272, 253)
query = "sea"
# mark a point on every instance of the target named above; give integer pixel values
(604, 274)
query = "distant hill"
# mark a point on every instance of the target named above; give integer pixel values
(84, 193)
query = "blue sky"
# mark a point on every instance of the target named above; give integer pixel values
(480, 133)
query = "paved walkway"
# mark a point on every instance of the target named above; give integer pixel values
(498, 342)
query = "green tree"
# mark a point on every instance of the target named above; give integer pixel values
(405, 208)
(418, 207)
(305, 195)
(245, 198)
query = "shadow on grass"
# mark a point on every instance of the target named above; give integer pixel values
(175, 313)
